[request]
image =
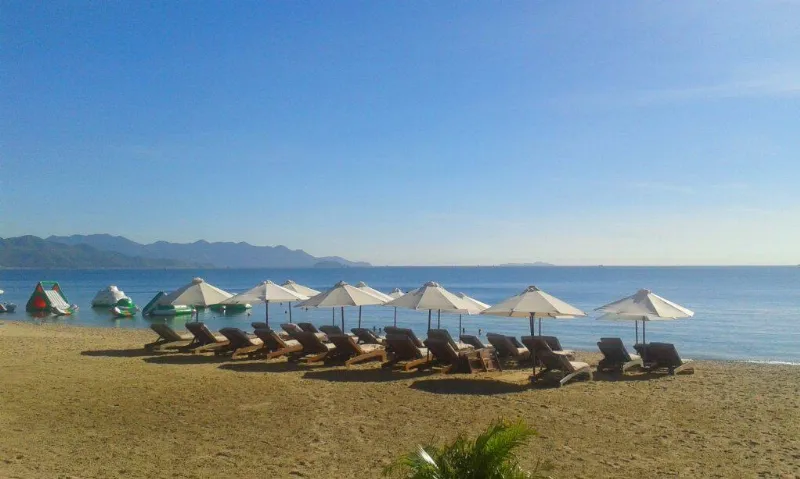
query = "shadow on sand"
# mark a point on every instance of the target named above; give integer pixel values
(371, 375)
(479, 387)
(261, 367)
(119, 353)
(630, 376)
(186, 359)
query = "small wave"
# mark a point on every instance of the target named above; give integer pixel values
(782, 363)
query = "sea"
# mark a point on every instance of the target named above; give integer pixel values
(741, 313)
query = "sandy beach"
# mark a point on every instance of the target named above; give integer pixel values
(90, 402)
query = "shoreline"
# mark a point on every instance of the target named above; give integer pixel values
(90, 402)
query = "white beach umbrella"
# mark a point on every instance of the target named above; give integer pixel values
(431, 297)
(196, 293)
(644, 306)
(299, 288)
(265, 292)
(341, 295)
(396, 293)
(363, 286)
(533, 303)
(476, 307)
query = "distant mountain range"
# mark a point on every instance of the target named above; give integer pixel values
(220, 255)
(34, 252)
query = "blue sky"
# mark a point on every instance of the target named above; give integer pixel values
(410, 132)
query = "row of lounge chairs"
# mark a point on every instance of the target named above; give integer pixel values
(403, 349)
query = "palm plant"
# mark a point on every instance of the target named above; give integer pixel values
(488, 456)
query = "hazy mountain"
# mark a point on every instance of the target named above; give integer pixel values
(222, 255)
(34, 252)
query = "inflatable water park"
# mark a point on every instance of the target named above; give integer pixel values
(48, 298)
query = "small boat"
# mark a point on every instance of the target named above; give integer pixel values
(169, 310)
(7, 307)
(124, 308)
(122, 312)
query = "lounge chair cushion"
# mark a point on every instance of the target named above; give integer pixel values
(578, 365)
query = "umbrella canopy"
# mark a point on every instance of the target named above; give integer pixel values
(396, 293)
(265, 292)
(431, 297)
(477, 307)
(299, 288)
(534, 303)
(196, 293)
(341, 295)
(644, 306)
(364, 287)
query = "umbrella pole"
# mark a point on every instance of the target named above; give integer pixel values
(395, 316)
(359, 317)
(333, 316)
(533, 353)
(343, 319)
(290, 311)
(644, 342)
(266, 306)
(429, 320)
(439, 319)
(637, 331)
(540, 326)
(459, 325)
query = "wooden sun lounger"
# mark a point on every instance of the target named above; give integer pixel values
(662, 356)
(507, 347)
(403, 351)
(168, 338)
(331, 329)
(367, 336)
(557, 361)
(535, 343)
(348, 349)
(308, 327)
(474, 341)
(204, 340)
(467, 361)
(615, 357)
(275, 346)
(314, 349)
(259, 325)
(291, 328)
(239, 343)
(555, 345)
(405, 331)
(444, 335)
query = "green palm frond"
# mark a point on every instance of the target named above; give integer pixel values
(488, 456)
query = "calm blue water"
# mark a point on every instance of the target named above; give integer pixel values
(743, 313)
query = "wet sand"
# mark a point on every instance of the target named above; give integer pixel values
(87, 402)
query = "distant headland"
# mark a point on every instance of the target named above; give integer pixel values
(107, 251)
